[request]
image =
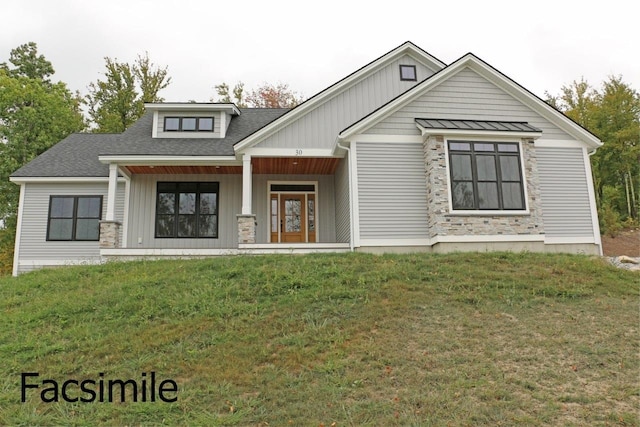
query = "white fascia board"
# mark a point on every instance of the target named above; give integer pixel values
(192, 106)
(288, 152)
(473, 133)
(62, 179)
(407, 48)
(171, 160)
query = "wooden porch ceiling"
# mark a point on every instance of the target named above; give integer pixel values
(261, 165)
(295, 165)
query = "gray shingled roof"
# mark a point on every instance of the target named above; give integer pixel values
(77, 154)
(489, 125)
(74, 156)
(137, 139)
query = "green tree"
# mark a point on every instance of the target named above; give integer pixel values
(117, 102)
(613, 114)
(265, 96)
(27, 63)
(225, 96)
(34, 115)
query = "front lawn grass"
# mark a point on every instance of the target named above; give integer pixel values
(351, 339)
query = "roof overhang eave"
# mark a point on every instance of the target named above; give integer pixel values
(147, 160)
(190, 106)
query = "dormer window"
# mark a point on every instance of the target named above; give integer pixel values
(188, 124)
(408, 73)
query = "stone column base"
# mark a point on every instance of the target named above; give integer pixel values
(109, 234)
(246, 228)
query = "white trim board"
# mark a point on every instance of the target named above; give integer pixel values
(145, 160)
(63, 179)
(592, 200)
(287, 152)
(16, 253)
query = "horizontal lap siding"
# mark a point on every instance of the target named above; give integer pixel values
(391, 191)
(33, 240)
(466, 95)
(142, 201)
(319, 127)
(565, 196)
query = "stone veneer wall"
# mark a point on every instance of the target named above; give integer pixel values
(442, 223)
(109, 234)
(246, 228)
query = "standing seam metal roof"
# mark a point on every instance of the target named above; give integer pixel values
(488, 125)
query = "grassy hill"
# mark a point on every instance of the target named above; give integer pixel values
(338, 339)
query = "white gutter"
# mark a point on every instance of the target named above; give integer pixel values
(143, 160)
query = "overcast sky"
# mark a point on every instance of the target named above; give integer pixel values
(541, 44)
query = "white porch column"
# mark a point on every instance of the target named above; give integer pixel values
(246, 184)
(111, 192)
(109, 227)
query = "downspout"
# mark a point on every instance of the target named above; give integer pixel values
(351, 219)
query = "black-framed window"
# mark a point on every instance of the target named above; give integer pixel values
(188, 124)
(187, 210)
(408, 73)
(486, 176)
(74, 218)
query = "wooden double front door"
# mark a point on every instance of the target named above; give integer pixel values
(293, 218)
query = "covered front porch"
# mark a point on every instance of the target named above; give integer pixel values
(204, 207)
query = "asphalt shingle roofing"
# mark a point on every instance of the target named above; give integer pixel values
(77, 155)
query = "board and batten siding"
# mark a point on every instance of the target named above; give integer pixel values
(142, 211)
(319, 127)
(34, 250)
(392, 192)
(466, 95)
(325, 201)
(565, 196)
(343, 205)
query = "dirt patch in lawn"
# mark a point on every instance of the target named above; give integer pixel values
(625, 243)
